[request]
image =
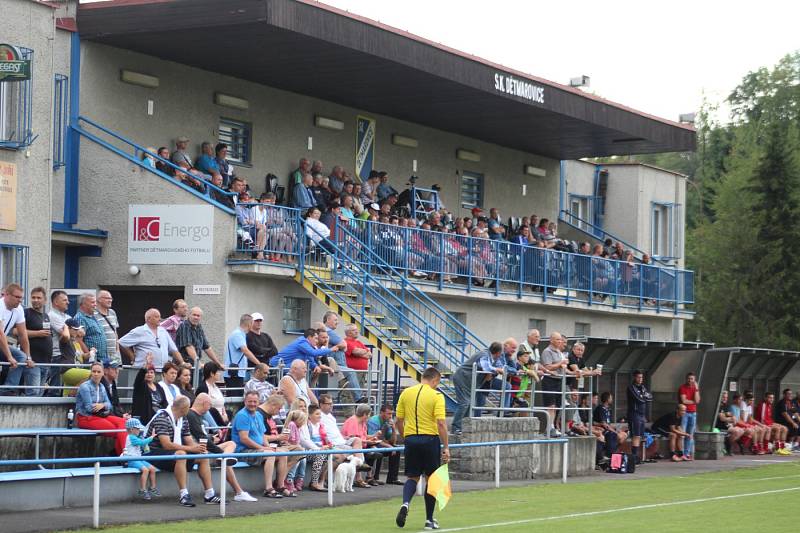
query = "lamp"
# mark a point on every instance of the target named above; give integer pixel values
(401, 140)
(328, 123)
(466, 155)
(233, 102)
(137, 78)
(133, 270)
(531, 170)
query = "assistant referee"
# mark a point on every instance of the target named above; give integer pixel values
(421, 421)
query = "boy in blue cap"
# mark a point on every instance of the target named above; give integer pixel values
(136, 446)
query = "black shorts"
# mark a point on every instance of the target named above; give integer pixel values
(551, 385)
(423, 454)
(636, 425)
(167, 466)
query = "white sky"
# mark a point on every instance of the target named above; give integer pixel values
(660, 58)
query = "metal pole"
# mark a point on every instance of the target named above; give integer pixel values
(472, 390)
(330, 480)
(564, 462)
(222, 486)
(96, 497)
(497, 466)
(563, 411)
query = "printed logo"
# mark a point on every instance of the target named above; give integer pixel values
(146, 228)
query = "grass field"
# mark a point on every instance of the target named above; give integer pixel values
(748, 499)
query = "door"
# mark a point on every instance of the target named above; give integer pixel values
(131, 302)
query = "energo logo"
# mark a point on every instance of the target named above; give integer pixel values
(146, 228)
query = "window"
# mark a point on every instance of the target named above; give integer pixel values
(455, 329)
(583, 329)
(579, 207)
(14, 265)
(471, 190)
(16, 110)
(639, 333)
(661, 230)
(539, 324)
(296, 314)
(237, 135)
(60, 118)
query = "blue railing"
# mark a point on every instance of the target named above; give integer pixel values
(422, 205)
(134, 153)
(269, 232)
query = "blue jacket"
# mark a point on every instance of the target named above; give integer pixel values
(303, 198)
(299, 348)
(89, 393)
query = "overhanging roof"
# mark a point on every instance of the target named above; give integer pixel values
(312, 49)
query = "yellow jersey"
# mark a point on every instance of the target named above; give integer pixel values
(420, 407)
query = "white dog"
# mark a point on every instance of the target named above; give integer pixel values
(346, 474)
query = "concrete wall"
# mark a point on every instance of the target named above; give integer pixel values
(282, 123)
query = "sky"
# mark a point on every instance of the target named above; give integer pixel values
(660, 58)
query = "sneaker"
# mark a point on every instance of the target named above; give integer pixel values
(155, 492)
(212, 500)
(688, 458)
(677, 458)
(553, 433)
(143, 494)
(431, 524)
(186, 500)
(298, 484)
(402, 514)
(244, 497)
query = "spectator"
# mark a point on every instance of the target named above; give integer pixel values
(109, 382)
(190, 338)
(356, 426)
(670, 425)
(336, 180)
(248, 432)
(149, 338)
(37, 325)
(12, 317)
(73, 351)
(95, 335)
(137, 444)
(385, 189)
(531, 345)
(280, 235)
(689, 395)
(331, 428)
(331, 322)
(369, 192)
(179, 156)
(173, 437)
(638, 398)
(218, 195)
(190, 175)
(180, 310)
(225, 168)
(313, 437)
(322, 196)
(572, 415)
(259, 342)
(576, 366)
(148, 397)
(316, 230)
(294, 385)
(163, 157)
(603, 419)
(93, 409)
(358, 205)
(726, 422)
(316, 168)
(285, 441)
(777, 433)
(258, 383)
(786, 414)
(462, 381)
(237, 354)
(107, 318)
(761, 432)
(305, 349)
(212, 374)
(526, 374)
(496, 230)
(184, 382)
(196, 418)
(168, 383)
(357, 354)
(294, 421)
(302, 197)
(383, 426)
(555, 364)
(59, 303)
(207, 162)
(346, 201)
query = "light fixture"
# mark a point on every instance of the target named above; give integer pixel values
(328, 123)
(466, 155)
(401, 140)
(137, 78)
(579, 81)
(534, 171)
(233, 102)
(687, 118)
(133, 270)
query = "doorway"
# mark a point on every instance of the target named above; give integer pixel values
(131, 302)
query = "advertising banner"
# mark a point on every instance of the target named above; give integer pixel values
(8, 196)
(365, 146)
(170, 234)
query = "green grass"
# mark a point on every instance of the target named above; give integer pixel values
(469, 509)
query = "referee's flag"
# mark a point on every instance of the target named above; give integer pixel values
(439, 486)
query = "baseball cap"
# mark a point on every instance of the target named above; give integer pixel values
(374, 206)
(257, 316)
(523, 349)
(476, 210)
(108, 363)
(134, 423)
(182, 139)
(73, 323)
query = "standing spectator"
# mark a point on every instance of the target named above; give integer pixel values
(258, 383)
(304, 349)
(603, 419)
(638, 398)
(37, 324)
(180, 310)
(259, 342)
(173, 437)
(59, 303)
(191, 341)
(576, 366)
(369, 192)
(225, 168)
(12, 317)
(237, 354)
(93, 408)
(331, 321)
(462, 380)
(554, 362)
(383, 426)
(689, 395)
(107, 318)
(95, 335)
(149, 338)
(148, 397)
(109, 382)
(671, 426)
(775, 432)
(357, 354)
(531, 345)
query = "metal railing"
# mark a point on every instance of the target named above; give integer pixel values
(269, 232)
(223, 457)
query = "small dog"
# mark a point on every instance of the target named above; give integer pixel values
(346, 474)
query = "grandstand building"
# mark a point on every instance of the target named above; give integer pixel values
(280, 80)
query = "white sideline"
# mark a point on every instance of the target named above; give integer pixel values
(621, 509)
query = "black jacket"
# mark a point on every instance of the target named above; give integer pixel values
(113, 397)
(142, 406)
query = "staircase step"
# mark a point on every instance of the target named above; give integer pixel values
(400, 339)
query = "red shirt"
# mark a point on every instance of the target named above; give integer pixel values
(764, 414)
(689, 392)
(356, 363)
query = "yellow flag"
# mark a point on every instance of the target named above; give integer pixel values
(439, 486)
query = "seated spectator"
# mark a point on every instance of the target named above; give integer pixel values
(258, 383)
(604, 420)
(148, 158)
(207, 162)
(248, 224)
(669, 426)
(294, 386)
(383, 427)
(336, 180)
(225, 168)
(742, 409)
(346, 201)
(148, 397)
(322, 196)
(198, 427)
(317, 231)
(173, 437)
(575, 425)
(168, 383)
(149, 338)
(302, 197)
(217, 192)
(786, 414)
(369, 189)
(726, 423)
(212, 374)
(184, 382)
(163, 157)
(385, 189)
(358, 204)
(777, 433)
(314, 437)
(189, 175)
(356, 426)
(109, 382)
(281, 237)
(93, 410)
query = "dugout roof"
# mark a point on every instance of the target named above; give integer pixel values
(323, 52)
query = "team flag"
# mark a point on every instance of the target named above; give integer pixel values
(439, 486)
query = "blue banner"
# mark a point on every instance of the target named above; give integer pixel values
(365, 146)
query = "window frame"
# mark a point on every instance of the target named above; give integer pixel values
(17, 114)
(586, 329)
(476, 196)
(303, 305)
(451, 330)
(662, 230)
(14, 260)
(60, 119)
(636, 333)
(240, 146)
(539, 324)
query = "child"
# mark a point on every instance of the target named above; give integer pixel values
(294, 421)
(136, 446)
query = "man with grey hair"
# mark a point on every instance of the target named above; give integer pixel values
(190, 338)
(95, 335)
(554, 362)
(357, 354)
(237, 354)
(531, 346)
(149, 338)
(336, 179)
(294, 385)
(258, 383)
(107, 318)
(331, 322)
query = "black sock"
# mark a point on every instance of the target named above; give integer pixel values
(635, 451)
(408, 491)
(430, 505)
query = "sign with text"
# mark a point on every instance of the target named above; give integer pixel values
(12, 66)
(8, 195)
(365, 146)
(206, 289)
(505, 83)
(170, 234)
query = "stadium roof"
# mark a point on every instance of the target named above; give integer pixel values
(320, 51)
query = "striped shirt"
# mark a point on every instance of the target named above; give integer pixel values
(95, 335)
(110, 325)
(191, 335)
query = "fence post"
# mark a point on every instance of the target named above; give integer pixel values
(222, 486)
(563, 414)
(472, 390)
(330, 480)
(96, 496)
(497, 466)
(565, 461)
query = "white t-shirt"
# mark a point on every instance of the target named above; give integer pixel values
(747, 411)
(11, 317)
(332, 430)
(57, 320)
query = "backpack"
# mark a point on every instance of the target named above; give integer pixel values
(622, 463)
